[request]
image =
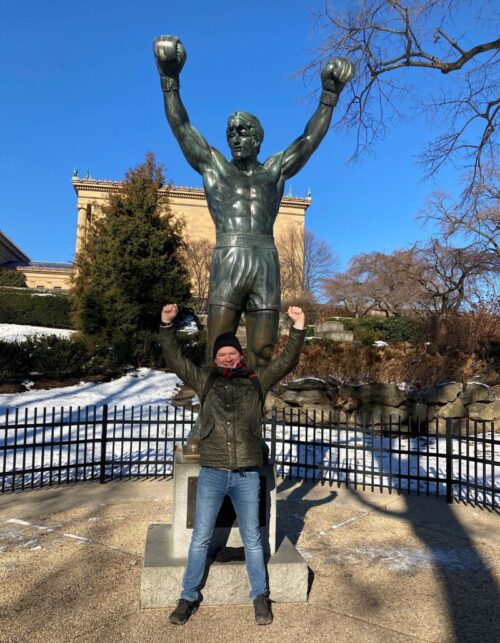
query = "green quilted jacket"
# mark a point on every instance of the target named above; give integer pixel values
(231, 419)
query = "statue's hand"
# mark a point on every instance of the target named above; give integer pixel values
(170, 55)
(336, 73)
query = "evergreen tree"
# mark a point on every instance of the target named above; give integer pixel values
(130, 267)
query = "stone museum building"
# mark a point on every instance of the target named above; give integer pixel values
(187, 203)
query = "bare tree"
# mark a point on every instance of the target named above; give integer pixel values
(198, 255)
(388, 40)
(345, 290)
(447, 277)
(374, 281)
(475, 218)
(305, 262)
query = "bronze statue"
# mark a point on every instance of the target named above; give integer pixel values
(243, 197)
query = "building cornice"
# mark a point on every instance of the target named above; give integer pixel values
(173, 191)
(11, 246)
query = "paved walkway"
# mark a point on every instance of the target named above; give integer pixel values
(384, 568)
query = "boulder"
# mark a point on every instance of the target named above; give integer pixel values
(475, 392)
(307, 384)
(305, 398)
(418, 411)
(381, 414)
(351, 404)
(455, 409)
(273, 400)
(489, 412)
(381, 394)
(442, 393)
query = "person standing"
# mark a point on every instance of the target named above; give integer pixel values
(230, 448)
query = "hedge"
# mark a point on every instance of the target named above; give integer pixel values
(390, 329)
(10, 277)
(28, 307)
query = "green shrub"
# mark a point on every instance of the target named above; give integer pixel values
(27, 307)
(390, 329)
(50, 356)
(10, 277)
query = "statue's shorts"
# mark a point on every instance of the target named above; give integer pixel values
(245, 272)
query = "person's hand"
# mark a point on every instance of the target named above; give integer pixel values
(169, 313)
(298, 317)
(170, 55)
(336, 73)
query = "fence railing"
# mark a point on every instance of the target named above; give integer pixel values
(460, 460)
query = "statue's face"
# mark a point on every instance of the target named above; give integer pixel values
(241, 140)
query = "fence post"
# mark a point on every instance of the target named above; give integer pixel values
(273, 434)
(449, 461)
(104, 435)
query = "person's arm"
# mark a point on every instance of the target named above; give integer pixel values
(289, 357)
(170, 58)
(184, 368)
(336, 73)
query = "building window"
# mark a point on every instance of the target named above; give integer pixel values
(40, 287)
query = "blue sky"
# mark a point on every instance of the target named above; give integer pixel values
(80, 89)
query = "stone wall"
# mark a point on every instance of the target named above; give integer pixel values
(376, 403)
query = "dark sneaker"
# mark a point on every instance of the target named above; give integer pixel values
(263, 614)
(183, 611)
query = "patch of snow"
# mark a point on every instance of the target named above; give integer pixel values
(145, 386)
(20, 332)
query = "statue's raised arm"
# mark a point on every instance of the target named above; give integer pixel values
(170, 58)
(334, 75)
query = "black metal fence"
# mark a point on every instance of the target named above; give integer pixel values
(459, 459)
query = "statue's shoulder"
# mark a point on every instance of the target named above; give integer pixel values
(274, 162)
(220, 162)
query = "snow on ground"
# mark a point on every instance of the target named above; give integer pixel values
(20, 332)
(334, 454)
(143, 386)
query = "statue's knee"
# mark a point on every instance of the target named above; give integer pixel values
(263, 355)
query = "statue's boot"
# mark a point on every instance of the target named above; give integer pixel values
(191, 449)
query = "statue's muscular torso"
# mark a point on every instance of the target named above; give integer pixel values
(241, 201)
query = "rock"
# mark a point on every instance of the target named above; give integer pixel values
(307, 384)
(273, 400)
(381, 414)
(418, 411)
(379, 394)
(455, 409)
(306, 397)
(351, 405)
(475, 392)
(442, 393)
(484, 411)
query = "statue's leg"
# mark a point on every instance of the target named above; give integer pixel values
(221, 319)
(262, 334)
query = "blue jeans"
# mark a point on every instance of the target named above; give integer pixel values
(244, 491)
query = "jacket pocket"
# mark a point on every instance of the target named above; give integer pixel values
(207, 423)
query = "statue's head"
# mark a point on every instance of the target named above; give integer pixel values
(244, 131)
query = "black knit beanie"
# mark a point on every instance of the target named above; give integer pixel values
(227, 339)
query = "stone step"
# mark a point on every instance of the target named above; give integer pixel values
(225, 583)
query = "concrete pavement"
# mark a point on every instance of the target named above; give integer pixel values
(383, 568)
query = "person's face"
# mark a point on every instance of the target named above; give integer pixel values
(227, 357)
(241, 141)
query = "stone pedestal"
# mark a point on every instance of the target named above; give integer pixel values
(225, 582)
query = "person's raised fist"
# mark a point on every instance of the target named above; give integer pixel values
(298, 317)
(169, 313)
(170, 55)
(336, 73)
